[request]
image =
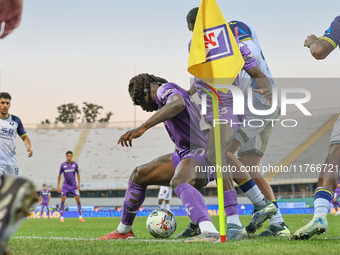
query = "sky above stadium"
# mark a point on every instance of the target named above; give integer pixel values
(74, 51)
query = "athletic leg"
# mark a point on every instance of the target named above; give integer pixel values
(157, 172)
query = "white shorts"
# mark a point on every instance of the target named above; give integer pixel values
(255, 139)
(335, 138)
(10, 170)
(167, 195)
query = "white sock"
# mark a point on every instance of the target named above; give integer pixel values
(255, 196)
(61, 217)
(321, 206)
(167, 206)
(161, 206)
(235, 219)
(123, 229)
(276, 218)
(80, 217)
(207, 226)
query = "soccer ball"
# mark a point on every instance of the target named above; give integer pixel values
(161, 223)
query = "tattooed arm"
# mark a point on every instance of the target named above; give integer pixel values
(319, 48)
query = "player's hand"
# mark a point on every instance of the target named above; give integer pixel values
(266, 93)
(126, 139)
(10, 13)
(310, 40)
(29, 150)
(40, 203)
(338, 185)
(48, 203)
(58, 189)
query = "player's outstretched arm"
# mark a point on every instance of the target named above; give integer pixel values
(173, 107)
(10, 13)
(319, 48)
(28, 145)
(262, 82)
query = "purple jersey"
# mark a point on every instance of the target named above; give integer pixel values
(69, 171)
(332, 35)
(45, 194)
(184, 128)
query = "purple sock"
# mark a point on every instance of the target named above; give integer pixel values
(193, 202)
(335, 204)
(48, 212)
(62, 209)
(230, 202)
(79, 209)
(134, 198)
(42, 212)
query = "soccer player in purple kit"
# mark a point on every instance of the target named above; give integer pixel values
(320, 48)
(182, 121)
(69, 169)
(45, 196)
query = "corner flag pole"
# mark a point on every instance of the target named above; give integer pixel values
(219, 181)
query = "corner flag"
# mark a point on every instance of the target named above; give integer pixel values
(214, 52)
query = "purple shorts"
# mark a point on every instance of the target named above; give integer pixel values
(44, 203)
(199, 155)
(70, 190)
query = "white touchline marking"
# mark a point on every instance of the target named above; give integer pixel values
(93, 239)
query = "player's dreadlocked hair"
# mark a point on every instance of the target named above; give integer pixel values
(191, 18)
(140, 84)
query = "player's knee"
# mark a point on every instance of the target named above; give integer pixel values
(138, 175)
(175, 182)
(334, 150)
(211, 156)
(195, 182)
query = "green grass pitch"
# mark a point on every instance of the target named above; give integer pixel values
(45, 236)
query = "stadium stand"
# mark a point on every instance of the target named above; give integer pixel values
(104, 165)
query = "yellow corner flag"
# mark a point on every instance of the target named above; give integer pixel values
(214, 54)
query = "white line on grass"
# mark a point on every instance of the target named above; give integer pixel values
(92, 239)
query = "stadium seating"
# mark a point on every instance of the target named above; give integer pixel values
(105, 165)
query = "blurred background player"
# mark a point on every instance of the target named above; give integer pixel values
(17, 195)
(69, 169)
(45, 196)
(320, 48)
(335, 200)
(165, 194)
